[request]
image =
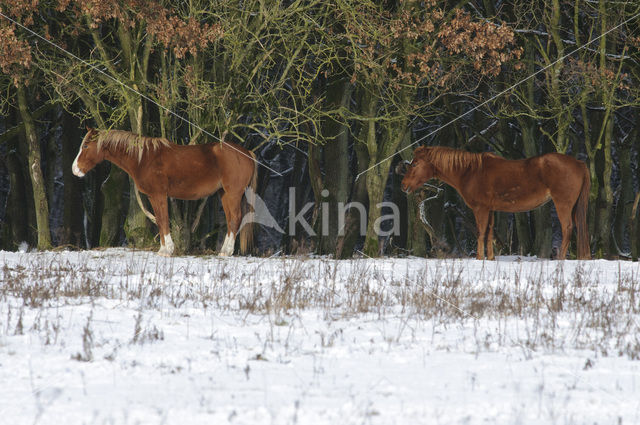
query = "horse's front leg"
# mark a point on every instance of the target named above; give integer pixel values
(482, 219)
(161, 211)
(490, 255)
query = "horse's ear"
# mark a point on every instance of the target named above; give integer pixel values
(89, 129)
(421, 150)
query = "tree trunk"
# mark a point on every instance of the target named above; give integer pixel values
(604, 204)
(380, 158)
(137, 226)
(415, 239)
(52, 162)
(354, 221)
(622, 232)
(541, 217)
(416, 236)
(564, 117)
(523, 221)
(375, 190)
(604, 163)
(72, 215)
(112, 191)
(634, 225)
(336, 165)
(17, 221)
(634, 216)
(35, 172)
(297, 179)
(374, 177)
(106, 207)
(180, 219)
(315, 175)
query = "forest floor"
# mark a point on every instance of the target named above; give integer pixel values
(126, 337)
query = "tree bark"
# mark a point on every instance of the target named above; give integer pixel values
(291, 241)
(541, 217)
(315, 175)
(374, 177)
(604, 204)
(72, 215)
(35, 171)
(604, 163)
(336, 164)
(621, 229)
(353, 220)
(416, 236)
(17, 222)
(634, 225)
(524, 221)
(112, 191)
(137, 226)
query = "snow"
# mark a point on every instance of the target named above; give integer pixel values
(127, 337)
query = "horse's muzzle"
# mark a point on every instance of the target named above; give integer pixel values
(76, 170)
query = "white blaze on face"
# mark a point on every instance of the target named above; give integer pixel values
(76, 170)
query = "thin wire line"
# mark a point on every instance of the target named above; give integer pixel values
(497, 95)
(95, 68)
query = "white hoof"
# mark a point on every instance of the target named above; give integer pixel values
(166, 250)
(227, 245)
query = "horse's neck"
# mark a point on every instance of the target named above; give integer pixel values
(123, 160)
(452, 176)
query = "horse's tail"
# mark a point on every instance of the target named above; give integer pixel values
(246, 233)
(580, 216)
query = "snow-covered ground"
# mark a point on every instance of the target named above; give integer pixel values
(127, 337)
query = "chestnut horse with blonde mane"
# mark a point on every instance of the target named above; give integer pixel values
(162, 169)
(489, 183)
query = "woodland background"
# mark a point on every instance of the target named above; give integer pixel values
(321, 90)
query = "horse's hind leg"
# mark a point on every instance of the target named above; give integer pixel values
(566, 224)
(231, 204)
(161, 210)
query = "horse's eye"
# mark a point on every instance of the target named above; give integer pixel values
(85, 146)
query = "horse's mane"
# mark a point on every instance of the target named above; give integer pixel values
(131, 143)
(447, 159)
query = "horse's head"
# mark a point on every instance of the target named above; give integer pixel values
(418, 171)
(89, 155)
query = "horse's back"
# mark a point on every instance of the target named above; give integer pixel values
(548, 165)
(183, 160)
(196, 171)
(524, 184)
(558, 169)
(207, 157)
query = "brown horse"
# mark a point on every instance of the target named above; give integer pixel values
(490, 183)
(161, 169)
